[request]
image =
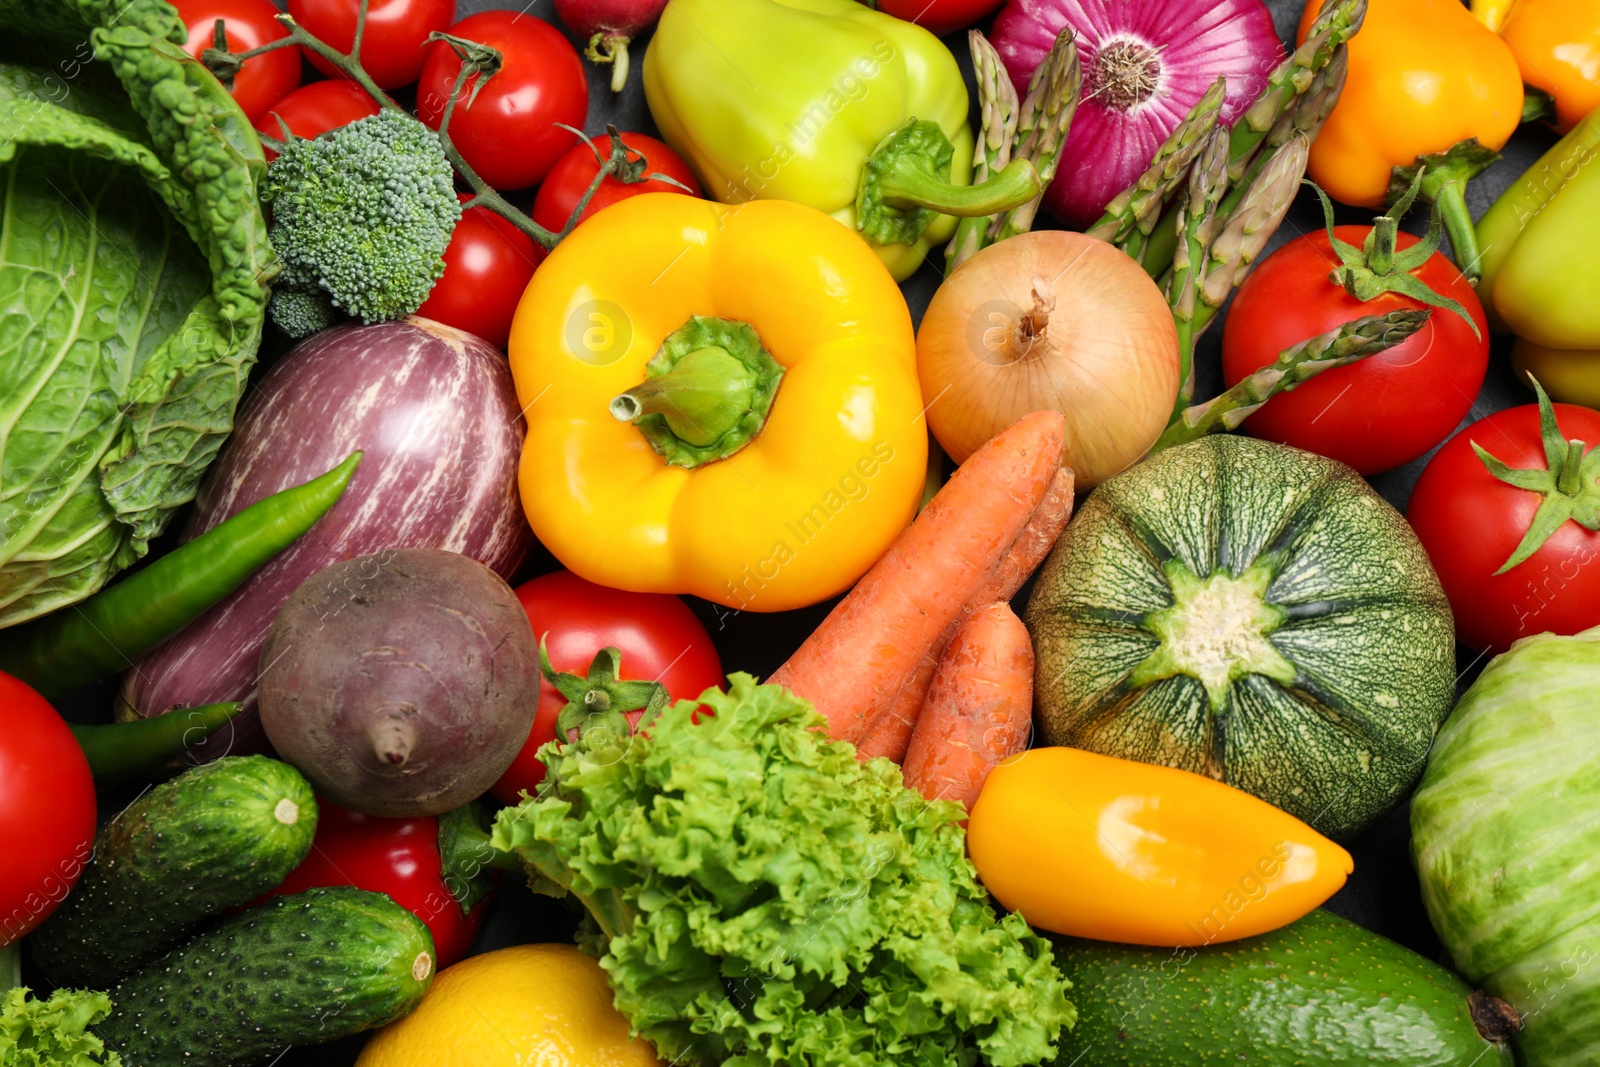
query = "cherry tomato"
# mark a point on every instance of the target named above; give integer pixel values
(1378, 413)
(316, 108)
(1470, 522)
(658, 635)
(509, 133)
(392, 47)
(47, 809)
(248, 24)
(399, 857)
(569, 179)
(486, 268)
(940, 17)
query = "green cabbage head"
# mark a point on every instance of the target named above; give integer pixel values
(133, 265)
(1506, 838)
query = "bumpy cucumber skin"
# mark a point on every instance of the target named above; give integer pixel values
(1319, 991)
(299, 970)
(211, 839)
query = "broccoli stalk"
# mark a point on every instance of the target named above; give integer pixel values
(359, 211)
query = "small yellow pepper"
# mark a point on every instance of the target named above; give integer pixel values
(1094, 846)
(1557, 45)
(1428, 84)
(721, 401)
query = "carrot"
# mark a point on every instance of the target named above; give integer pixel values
(869, 645)
(978, 710)
(890, 732)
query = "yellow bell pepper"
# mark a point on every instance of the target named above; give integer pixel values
(1094, 846)
(1557, 45)
(721, 401)
(1428, 84)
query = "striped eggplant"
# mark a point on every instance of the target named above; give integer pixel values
(435, 412)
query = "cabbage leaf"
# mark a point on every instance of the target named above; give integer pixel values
(133, 263)
(762, 898)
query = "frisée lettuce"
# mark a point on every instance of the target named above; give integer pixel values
(763, 898)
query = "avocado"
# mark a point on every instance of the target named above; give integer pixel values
(1319, 991)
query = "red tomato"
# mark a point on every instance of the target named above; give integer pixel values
(658, 635)
(486, 268)
(316, 108)
(569, 179)
(1378, 413)
(399, 857)
(249, 23)
(47, 809)
(1470, 522)
(940, 16)
(509, 133)
(392, 46)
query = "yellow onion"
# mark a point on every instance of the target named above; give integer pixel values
(1051, 319)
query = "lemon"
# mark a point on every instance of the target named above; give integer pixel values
(529, 1006)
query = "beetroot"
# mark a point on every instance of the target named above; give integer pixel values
(401, 683)
(610, 25)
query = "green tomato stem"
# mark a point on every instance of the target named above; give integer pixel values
(1569, 480)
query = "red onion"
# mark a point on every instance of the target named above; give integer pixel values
(435, 412)
(1145, 63)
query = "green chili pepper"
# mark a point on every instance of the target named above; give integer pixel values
(104, 634)
(124, 750)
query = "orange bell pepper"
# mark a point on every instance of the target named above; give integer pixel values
(1115, 850)
(1428, 84)
(1557, 45)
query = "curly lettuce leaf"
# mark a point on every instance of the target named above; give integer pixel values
(765, 899)
(133, 260)
(54, 1032)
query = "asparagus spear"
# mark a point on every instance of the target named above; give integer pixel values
(1130, 217)
(1196, 225)
(1248, 228)
(1336, 348)
(997, 100)
(1046, 119)
(1297, 99)
(1337, 23)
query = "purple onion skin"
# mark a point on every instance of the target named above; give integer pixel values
(1109, 146)
(436, 414)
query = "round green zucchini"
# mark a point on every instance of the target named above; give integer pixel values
(1251, 612)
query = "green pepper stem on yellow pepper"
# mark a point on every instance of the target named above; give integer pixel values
(706, 394)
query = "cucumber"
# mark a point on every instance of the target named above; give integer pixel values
(1319, 991)
(214, 838)
(298, 970)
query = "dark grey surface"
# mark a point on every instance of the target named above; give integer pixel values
(1382, 895)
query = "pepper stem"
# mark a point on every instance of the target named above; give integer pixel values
(706, 394)
(1443, 178)
(905, 185)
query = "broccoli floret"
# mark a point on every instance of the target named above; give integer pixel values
(363, 213)
(299, 313)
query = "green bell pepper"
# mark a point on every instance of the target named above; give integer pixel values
(1541, 267)
(827, 103)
